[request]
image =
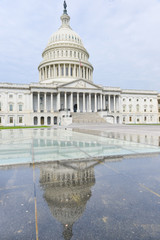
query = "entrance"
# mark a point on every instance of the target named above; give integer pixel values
(75, 107)
(117, 120)
(55, 120)
(42, 120)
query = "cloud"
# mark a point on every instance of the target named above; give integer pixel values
(121, 36)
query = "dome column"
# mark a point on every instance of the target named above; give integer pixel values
(64, 70)
(59, 70)
(54, 73)
(49, 71)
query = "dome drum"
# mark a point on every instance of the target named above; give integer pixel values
(62, 72)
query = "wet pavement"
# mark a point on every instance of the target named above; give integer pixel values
(112, 199)
(81, 198)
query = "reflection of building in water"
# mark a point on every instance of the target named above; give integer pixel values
(67, 188)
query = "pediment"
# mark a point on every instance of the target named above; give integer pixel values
(81, 84)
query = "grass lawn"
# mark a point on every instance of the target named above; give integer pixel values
(21, 127)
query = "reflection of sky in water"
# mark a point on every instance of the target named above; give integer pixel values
(82, 199)
(41, 145)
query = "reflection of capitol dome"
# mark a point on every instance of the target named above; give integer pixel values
(65, 59)
(67, 188)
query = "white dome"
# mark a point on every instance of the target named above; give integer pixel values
(65, 34)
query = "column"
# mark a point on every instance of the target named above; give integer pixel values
(74, 71)
(104, 102)
(84, 103)
(45, 72)
(54, 66)
(71, 102)
(40, 74)
(69, 70)
(58, 101)
(51, 102)
(64, 70)
(109, 103)
(49, 72)
(45, 102)
(95, 102)
(65, 101)
(59, 70)
(114, 102)
(90, 102)
(87, 73)
(101, 101)
(119, 104)
(83, 72)
(38, 102)
(32, 102)
(78, 102)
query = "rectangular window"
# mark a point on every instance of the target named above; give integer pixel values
(0, 107)
(20, 120)
(20, 96)
(11, 120)
(20, 107)
(130, 119)
(10, 107)
(10, 96)
(0, 120)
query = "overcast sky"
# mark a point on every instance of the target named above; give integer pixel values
(121, 36)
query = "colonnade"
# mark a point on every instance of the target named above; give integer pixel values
(65, 70)
(74, 102)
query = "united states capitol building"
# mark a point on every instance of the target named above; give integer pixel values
(66, 92)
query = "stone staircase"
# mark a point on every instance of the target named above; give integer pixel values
(87, 118)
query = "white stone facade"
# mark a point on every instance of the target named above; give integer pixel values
(66, 86)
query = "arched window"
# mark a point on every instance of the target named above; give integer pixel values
(137, 107)
(35, 120)
(48, 120)
(124, 108)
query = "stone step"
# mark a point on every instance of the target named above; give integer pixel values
(87, 118)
